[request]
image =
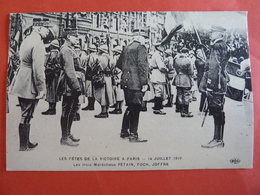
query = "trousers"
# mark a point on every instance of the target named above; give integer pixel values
(27, 109)
(69, 109)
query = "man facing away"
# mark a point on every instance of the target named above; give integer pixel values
(134, 66)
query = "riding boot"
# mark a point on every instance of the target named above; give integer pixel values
(30, 144)
(23, 136)
(125, 125)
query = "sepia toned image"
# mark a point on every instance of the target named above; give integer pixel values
(129, 91)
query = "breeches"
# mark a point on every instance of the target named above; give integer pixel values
(27, 109)
(216, 103)
(183, 95)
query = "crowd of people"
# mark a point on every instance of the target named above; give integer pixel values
(114, 75)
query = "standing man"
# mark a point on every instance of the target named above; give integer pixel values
(134, 66)
(168, 61)
(183, 81)
(71, 87)
(158, 79)
(30, 81)
(52, 73)
(214, 83)
(92, 62)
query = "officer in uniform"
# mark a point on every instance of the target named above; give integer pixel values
(119, 93)
(29, 85)
(214, 83)
(158, 79)
(52, 73)
(183, 81)
(200, 67)
(104, 93)
(168, 61)
(134, 66)
(92, 62)
(71, 86)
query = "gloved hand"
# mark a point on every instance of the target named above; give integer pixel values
(41, 95)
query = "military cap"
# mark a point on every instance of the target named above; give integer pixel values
(168, 51)
(103, 48)
(117, 49)
(184, 50)
(55, 43)
(92, 47)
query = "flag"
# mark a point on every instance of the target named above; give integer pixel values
(236, 85)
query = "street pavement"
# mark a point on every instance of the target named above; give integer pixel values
(168, 136)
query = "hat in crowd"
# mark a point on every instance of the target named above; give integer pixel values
(168, 52)
(92, 47)
(217, 29)
(71, 31)
(54, 31)
(158, 46)
(117, 49)
(55, 43)
(77, 46)
(140, 32)
(103, 48)
(184, 50)
(41, 22)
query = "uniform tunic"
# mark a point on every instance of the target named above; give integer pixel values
(105, 95)
(30, 79)
(92, 61)
(52, 71)
(134, 66)
(216, 78)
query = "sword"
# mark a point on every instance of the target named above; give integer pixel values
(205, 106)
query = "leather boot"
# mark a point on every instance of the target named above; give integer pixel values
(222, 126)
(186, 112)
(31, 144)
(51, 110)
(91, 103)
(23, 137)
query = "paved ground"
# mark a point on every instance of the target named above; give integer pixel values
(170, 136)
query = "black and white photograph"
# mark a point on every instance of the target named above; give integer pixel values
(116, 91)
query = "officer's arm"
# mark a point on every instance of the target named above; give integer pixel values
(160, 64)
(70, 70)
(38, 56)
(143, 65)
(120, 61)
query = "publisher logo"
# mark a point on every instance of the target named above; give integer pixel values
(235, 161)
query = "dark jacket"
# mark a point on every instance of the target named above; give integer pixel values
(216, 78)
(184, 69)
(68, 57)
(134, 65)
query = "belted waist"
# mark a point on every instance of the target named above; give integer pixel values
(26, 64)
(107, 73)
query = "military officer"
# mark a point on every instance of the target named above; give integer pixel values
(72, 89)
(92, 62)
(52, 72)
(29, 85)
(119, 93)
(183, 81)
(214, 83)
(104, 93)
(158, 79)
(168, 61)
(134, 66)
(200, 65)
